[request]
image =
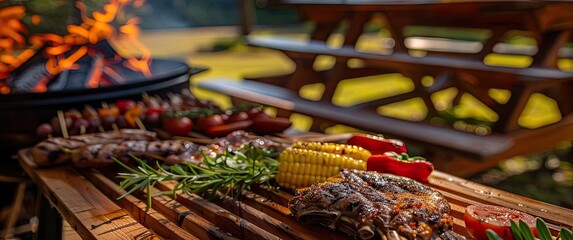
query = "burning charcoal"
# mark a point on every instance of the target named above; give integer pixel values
(29, 80)
(60, 81)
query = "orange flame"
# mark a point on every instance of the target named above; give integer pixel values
(11, 33)
(131, 32)
(98, 28)
(60, 51)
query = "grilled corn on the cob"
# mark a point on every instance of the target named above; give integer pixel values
(342, 149)
(307, 162)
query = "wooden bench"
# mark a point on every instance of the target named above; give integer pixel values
(465, 71)
(485, 151)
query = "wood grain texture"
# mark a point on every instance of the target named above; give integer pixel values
(261, 213)
(150, 218)
(91, 213)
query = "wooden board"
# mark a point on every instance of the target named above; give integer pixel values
(87, 199)
(93, 214)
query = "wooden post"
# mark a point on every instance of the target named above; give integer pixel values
(246, 16)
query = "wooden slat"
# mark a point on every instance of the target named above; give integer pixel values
(223, 218)
(283, 214)
(179, 214)
(88, 210)
(189, 220)
(149, 218)
(401, 61)
(470, 192)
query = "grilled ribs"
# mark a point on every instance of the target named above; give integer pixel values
(368, 204)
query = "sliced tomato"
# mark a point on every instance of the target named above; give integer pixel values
(252, 111)
(124, 105)
(263, 125)
(237, 117)
(177, 126)
(480, 217)
(223, 130)
(206, 122)
(258, 114)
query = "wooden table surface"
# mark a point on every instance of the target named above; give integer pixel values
(87, 199)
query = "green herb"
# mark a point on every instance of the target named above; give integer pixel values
(245, 106)
(231, 173)
(193, 112)
(521, 231)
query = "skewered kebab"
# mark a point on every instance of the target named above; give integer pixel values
(365, 204)
(57, 150)
(123, 114)
(177, 116)
(97, 150)
(170, 151)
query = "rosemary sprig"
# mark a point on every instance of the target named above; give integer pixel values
(521, 231)
(231, 173)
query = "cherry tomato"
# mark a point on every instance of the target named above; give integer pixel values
(152, 119)
(237, 117)
(223, 130)
(153, 111)
(480, 217)
(205, 122)
(124, 105)
(263, 125)
(152, 116)
(177, 126)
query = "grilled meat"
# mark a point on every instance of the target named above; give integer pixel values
(365, 204)
(171, 151)
(97, 150)
(57, 150)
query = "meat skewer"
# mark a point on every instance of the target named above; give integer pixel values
(365, 204)
(57, 150)
(170, 151)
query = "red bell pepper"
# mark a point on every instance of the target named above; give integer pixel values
(416, 168)
(150, 111)
(377, 144)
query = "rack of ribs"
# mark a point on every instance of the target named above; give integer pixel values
(368, 204)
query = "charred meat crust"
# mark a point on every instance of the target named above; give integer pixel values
(57, 150)
(372, 203)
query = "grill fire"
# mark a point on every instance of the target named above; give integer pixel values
(82, 58)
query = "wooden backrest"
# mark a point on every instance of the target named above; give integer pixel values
(482, 30)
